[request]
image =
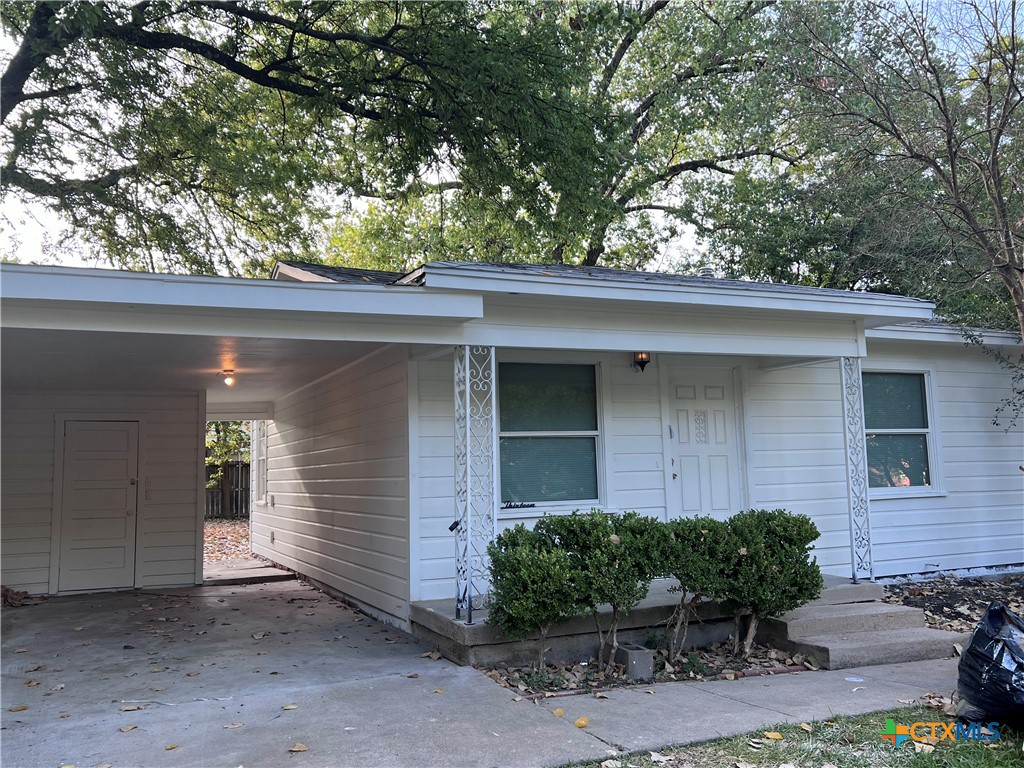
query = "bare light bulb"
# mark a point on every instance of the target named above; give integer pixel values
(229, 378)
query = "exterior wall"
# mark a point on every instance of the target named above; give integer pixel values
(631, 472)
(976, 516)
(171, 433)
(795, 453)
(337, 506)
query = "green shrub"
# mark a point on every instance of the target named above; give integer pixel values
(769, 569)
(533, 585)
(617, 557)
(697, 557)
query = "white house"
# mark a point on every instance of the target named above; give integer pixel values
(404, 419)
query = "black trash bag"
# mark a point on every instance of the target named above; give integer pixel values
(991, 679)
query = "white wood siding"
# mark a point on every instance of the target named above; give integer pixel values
(978, 520)
(631, 471)
(170, 467)
(337, 482)
(795, 453)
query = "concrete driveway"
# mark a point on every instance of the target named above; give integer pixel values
(212, 670)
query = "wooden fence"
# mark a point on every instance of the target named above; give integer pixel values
(231, 498)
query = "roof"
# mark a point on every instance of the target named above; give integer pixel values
(334, 274)
(566, 271)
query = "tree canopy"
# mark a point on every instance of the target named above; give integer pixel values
(188, 135)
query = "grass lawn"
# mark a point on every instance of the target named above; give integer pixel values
(845, 742)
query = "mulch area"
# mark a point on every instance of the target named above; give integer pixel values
(956, 603)
(225, 540)
(714, 662)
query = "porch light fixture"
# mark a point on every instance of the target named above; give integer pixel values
(229, 376)
(640, 360)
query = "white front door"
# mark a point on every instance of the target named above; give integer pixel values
(98, 506)
(705, 465)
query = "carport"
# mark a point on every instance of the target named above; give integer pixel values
(109, 378)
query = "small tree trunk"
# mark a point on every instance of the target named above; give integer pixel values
(737, 621)
(544, 629)
(748, 641)
(602, 640)
(613, 632)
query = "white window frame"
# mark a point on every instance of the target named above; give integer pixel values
(259, 460)
(542, 508)
(931, 433)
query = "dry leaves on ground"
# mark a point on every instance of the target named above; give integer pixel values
(956, 604)
(225, 540)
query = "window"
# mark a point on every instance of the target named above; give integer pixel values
(547, 432)
(258, 453)
(896, 420)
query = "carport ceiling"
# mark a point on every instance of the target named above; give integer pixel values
(265, 369)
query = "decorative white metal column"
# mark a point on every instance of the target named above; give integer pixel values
(476, 473)
(856, 468)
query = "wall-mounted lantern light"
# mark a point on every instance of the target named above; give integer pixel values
(640, 360)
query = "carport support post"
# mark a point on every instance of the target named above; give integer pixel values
(856, 468)
(476, 473)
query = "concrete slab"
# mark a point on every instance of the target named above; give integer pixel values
(198, 660)
(250, 570)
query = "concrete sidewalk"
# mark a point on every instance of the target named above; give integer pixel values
(199, 660)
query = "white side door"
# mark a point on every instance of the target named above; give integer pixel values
(99, 504)
(705, 465)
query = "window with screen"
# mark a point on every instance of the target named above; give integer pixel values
(548, 432)
(896, 422)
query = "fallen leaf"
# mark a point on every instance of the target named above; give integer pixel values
(58, 687)
(858, 688)
(920, 747)
(657, 757)
(290, 706)
(79, 629)
(582, 722)
(132, 707)
(191, 674)
(743, 764)
(773, 735)
(298, 747)
(260, 635)
(67, 765)
(599, 695)
(435, 655)
(517, 698)
(611, 764)
(906, 701)
(558, 712)
(126, 728)
(105, 765)
(65, 715)
(19, 708)
(35, 668)
(209, 663)
(169, 747)
(413, 676)
(233, 725)
(649, 691)
(806, 727)
(438, 690)
(31, 683)
(21, 650)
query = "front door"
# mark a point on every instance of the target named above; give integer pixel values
(705, 465)
(98, 506)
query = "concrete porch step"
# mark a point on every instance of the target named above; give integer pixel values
(842, 618)
(839, 590)
(891, 646)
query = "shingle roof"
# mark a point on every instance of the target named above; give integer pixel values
(637, 276)
(347, 274)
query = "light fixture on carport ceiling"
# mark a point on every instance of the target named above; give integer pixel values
(229, 376)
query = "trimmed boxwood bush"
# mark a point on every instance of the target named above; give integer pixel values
(769, 569)
(696, 556)
(534, 584)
